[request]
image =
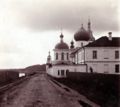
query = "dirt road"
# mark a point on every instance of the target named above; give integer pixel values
(39, 91)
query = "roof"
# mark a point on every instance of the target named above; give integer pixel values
(105, 42)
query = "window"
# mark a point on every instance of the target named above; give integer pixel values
(116, 54)
(62, 72)
(94, 54)
(58, 72)
(67, 56)
(62, 56)
(56, 56)
(117, 68)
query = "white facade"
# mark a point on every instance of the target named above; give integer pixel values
(59, 71)
(61, 56)
(105, 61)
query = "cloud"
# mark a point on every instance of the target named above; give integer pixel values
(30, 28)
(53, 14)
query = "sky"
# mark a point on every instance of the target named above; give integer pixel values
(31, 28)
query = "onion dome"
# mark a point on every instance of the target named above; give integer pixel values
(82, 35)
(62, 44)
(72, 44)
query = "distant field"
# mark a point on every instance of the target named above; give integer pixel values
(8, 75)
(103, 89)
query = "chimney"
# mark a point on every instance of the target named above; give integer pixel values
(110, 36)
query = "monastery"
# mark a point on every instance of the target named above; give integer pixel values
(86, 55)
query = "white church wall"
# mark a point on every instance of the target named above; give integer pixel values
(70, 68)
(103, 67)
(59, 54)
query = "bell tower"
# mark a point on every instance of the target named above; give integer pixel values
(49, 58)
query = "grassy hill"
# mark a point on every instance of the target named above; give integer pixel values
(35, 69)
(104, 89)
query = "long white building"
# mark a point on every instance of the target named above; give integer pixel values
(101, 56)
(88, 55)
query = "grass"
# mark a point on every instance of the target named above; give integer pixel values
(104, 89)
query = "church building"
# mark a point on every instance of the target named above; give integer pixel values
(86, 55)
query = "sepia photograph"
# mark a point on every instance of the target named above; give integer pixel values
(59, 53)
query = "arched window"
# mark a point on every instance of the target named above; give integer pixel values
(62, 56)
(67, 56)
(56, 56)
(62, 72)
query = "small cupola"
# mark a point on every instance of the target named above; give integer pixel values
(72, 44)
(110, 36)
(61, 44)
